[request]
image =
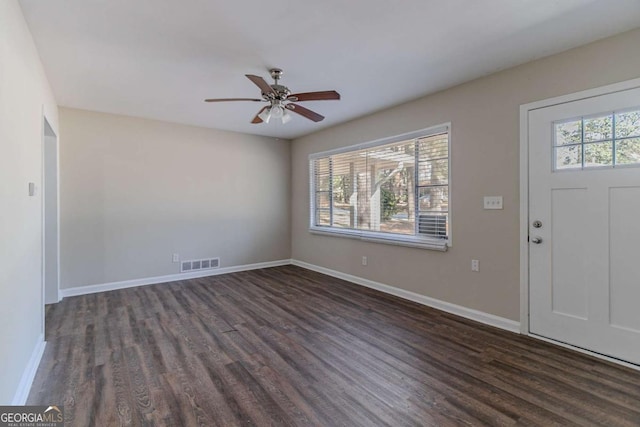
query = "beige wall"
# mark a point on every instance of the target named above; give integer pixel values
(24, 96)
(135, 191)
(485, 153)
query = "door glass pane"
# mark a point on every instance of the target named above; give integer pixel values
(598, 128)
(568, 157)
(598, 154)
(628, 124)
(628, 151)
(568, 133)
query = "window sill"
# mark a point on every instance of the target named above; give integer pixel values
(412, 242)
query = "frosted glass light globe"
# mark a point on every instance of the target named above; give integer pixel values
(277, 112)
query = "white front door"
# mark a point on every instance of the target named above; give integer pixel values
(584, 223)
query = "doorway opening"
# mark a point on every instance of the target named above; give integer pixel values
(51, 224)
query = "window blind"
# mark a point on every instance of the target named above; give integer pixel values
(397, 189)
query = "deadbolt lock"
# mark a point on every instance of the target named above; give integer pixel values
(537, 224)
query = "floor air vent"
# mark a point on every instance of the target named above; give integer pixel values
(199, 264)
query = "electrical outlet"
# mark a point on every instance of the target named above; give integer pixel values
(176, 258)
(475, 265)
(364, 260)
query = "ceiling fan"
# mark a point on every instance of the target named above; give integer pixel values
(281, 100)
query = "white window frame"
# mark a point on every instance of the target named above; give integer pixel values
(417, 241)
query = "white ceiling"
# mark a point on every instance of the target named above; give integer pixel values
(160, 58)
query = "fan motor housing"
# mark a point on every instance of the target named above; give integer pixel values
(281, 91)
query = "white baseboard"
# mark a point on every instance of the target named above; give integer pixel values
(24, 387)
(479, 316)
(92, 289)
(469, 313)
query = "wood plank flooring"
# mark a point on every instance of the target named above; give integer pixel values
(289, 347)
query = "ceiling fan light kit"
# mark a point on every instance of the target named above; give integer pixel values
(276, 111)
(265, 115)
(281, 100)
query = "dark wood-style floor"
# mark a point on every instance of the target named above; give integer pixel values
(287, 346)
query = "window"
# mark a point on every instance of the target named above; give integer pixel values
(395, 190)
(605, 140)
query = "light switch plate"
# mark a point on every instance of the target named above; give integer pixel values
(493, 202)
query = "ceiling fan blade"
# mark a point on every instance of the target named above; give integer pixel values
(261, 83)
(305, 112)
(231, 99)
(257, 118)
(314, 96)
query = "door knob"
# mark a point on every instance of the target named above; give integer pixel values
(536, 240)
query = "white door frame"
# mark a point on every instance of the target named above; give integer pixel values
(524, 197)
(45, 119)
